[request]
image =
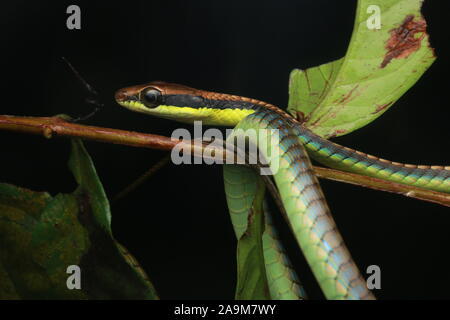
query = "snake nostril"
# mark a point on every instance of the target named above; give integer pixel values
(120, 95)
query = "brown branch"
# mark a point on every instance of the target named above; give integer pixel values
(384, 185)
(56, 126)
(51, 126)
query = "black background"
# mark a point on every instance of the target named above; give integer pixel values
(177, 224)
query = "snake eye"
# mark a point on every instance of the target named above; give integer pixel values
(150, 97)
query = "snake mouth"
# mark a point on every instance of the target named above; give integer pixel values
(129, 94)
(125, 95)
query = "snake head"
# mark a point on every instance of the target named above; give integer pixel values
(178, 102)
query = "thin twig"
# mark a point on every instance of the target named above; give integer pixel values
(90, 89)
(92, 99)
(139, 181)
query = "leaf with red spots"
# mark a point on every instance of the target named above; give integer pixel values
(404, 40)
(380, 66)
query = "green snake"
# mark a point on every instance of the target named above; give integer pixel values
(304, 204)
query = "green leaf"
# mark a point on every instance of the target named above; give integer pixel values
(41, 236)
(380, 66)
(83, 169)
(252, 279)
